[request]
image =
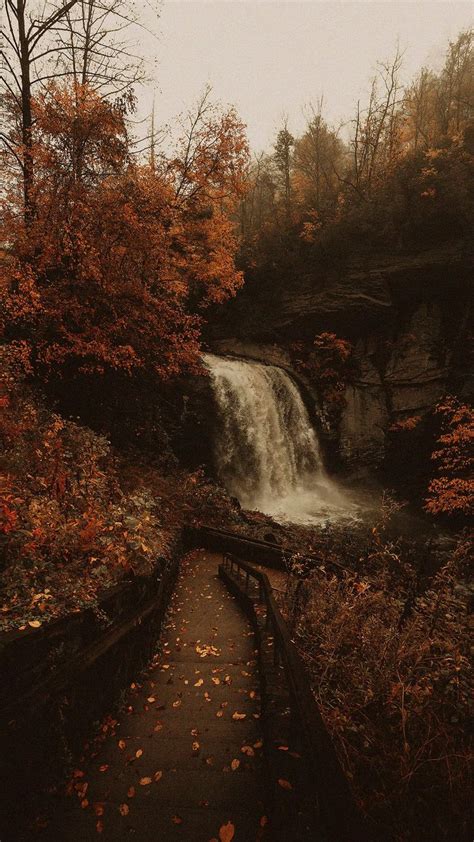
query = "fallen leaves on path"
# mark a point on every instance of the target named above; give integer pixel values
(206, 651)
(248, 750)
(227, 832)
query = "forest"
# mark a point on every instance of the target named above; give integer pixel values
(273, 345)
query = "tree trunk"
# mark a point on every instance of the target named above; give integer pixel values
(26, 116)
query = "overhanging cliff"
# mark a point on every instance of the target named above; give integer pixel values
(409, 319)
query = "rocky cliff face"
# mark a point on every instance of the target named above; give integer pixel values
(408, 321)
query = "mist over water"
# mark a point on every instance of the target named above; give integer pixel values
(267, 452)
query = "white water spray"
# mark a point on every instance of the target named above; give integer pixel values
(267, 452)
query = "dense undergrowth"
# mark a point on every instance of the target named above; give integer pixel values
(388, 653)
(68, 530)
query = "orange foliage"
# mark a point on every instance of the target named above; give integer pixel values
(64, 520)
(326, 363)
(452, 491)
(406, 425)
(117, 264)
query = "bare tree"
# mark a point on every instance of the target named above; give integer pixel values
(375, 140)
(27, 35)
(420, 109)
(212, 153)
(95, 45)
(83, 40)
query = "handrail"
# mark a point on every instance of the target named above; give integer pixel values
(341, 814)
(280, 553)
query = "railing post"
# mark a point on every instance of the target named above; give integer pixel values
(267, 620)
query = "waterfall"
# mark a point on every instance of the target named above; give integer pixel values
(267, 453)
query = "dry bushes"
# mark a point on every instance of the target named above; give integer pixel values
(67, 530)
(391, 674)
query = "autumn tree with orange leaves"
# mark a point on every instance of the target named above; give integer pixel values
(451, 491)
(113, 274)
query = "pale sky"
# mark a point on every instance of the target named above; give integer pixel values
(271, 58)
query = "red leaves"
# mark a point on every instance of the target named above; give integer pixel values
(125, 249)
(327, 362)
(452, 491)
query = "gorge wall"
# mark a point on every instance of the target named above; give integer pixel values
(409, 321)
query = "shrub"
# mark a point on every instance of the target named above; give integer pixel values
(393, 687)
(452, 491)
(66, 528)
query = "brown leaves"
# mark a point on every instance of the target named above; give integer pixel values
(284, 784)
(207, 651)
(124, 809)
(237, 716)
(146, 781)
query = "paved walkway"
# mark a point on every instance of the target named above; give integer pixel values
(184, 761)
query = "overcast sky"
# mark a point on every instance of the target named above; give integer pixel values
(272, 58)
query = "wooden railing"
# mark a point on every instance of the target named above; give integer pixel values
(341, 816)
(255, 550)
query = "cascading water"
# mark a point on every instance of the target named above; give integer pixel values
(267, 452)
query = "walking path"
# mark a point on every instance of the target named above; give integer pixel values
(184, 761)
